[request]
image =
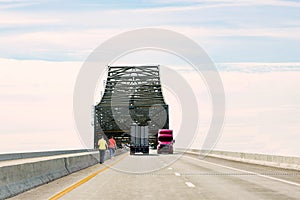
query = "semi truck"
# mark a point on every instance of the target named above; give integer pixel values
(139, 139)
(165, 141)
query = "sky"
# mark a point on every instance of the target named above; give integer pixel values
(254, 44)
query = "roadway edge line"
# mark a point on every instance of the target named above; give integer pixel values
(84, 180)
(244, 171)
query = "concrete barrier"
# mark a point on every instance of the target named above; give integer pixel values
(14, 156)
(285, 162)
(21, 175)
(15, 179)
(76, 163)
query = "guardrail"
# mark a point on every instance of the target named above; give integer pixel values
(286, 162)
(14, 156)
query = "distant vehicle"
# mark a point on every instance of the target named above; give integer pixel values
(152, 145)
(125, 146)
(165, 141)
(139, 139)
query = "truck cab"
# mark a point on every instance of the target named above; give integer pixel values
(165, 141)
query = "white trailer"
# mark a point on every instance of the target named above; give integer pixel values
(139, 139)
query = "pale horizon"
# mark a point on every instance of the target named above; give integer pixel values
(259, 107)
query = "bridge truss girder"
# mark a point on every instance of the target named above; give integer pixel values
(133, 94)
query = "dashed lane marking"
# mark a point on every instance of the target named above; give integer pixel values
(190, 184)
(177, 174)
(248, 172)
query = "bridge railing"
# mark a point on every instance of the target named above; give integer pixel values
(14, 156)
(280, 161)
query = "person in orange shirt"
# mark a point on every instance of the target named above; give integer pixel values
(112, 146)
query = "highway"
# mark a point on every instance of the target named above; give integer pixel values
(172, 177)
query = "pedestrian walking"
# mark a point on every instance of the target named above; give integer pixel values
(102, 148)
(112, 146)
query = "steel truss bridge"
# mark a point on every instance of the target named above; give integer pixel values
(133, 94)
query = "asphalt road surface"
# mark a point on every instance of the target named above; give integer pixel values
(172, 177)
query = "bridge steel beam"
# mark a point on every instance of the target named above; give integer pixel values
(133, 94)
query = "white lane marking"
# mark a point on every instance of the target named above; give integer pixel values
(170, 168)
(177, 174)
(189, 184)
(244, 171)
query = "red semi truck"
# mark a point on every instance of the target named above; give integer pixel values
(165, 141)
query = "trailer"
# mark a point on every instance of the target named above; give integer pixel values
(139, 139)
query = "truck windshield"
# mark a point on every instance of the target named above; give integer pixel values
(165, 139)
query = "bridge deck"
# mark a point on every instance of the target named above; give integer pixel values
(186, 178)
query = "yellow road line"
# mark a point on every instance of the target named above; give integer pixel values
(72, 187)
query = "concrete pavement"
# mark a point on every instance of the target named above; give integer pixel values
(179, 177)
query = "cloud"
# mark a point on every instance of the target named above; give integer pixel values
(218, 25)
(262, 112)
(262, 100)
(77, 44)
(225, 3)
(11, 4)
(215, 32)
(9, 19)
(144, 6)
(37, 96)
(259, 67)
(53, 45)
(37, 141)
